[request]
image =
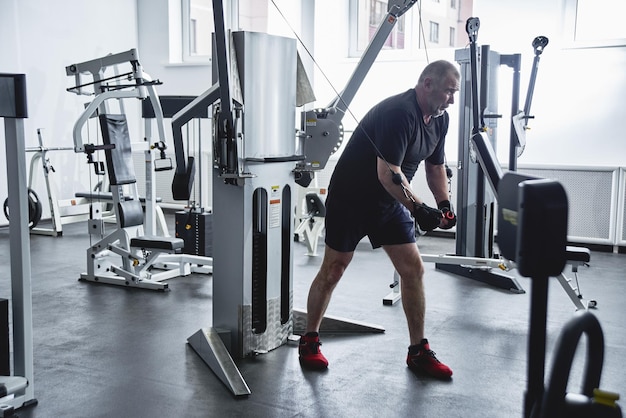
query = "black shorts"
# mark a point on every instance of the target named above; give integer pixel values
(346, 226)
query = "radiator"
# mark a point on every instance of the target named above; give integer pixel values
(593, 200)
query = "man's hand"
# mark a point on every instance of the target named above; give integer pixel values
(448, 217)
(427, 218)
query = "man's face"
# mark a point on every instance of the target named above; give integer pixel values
(441, 94)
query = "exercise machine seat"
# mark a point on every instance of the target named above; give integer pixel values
(108, 196)
(579, 254)
(158, 243)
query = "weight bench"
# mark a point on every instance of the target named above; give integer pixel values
(576, 257)
(139, 254)
(9, 386)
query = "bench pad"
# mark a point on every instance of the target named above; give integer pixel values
(157, 243)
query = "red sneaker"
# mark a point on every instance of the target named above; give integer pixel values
(310, 355)
(422, 359)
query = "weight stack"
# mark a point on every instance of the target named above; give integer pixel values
(196, 229)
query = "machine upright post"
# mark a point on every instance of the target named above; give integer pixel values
(513, 61)
(536, 343)
(14, 111)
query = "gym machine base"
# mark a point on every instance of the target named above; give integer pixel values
(17, 390)
(480, 267)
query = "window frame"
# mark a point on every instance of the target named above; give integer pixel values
(186, 38)
(433, 32)
(409, 35)
(570, 23)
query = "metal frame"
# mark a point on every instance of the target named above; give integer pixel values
(18, 390)
(56, 205)
(478, 164)
(239, 174)
(140, 267)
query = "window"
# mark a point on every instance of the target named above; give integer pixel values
(409, 35)
(434, 32)
(369, 16)
(193, 36)
(592, 24)
(197, 26)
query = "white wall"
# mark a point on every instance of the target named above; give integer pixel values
(40, 38)
(154, 20)
(579, 102)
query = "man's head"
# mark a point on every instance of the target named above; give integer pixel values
(436, 87)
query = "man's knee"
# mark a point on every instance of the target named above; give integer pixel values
(331, 272)
(334, 265)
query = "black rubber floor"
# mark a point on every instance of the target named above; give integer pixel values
(103, 351)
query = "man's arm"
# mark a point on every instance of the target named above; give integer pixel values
(427, 218)
(438, 184)
(437, 181)
(401, 194)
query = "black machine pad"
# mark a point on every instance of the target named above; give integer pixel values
(532, 224)
(119, 159)
(158, 243)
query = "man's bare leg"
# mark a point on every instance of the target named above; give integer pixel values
(409, 265)
(333, 267)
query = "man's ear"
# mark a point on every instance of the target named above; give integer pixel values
(429, 83)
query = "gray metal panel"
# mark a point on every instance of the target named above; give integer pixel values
(274, 336)
(267, 68)
(474, 199)
(21, 288)
(269, 114)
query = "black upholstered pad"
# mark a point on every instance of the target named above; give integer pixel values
(157, 243)
(119, 159)
(578, 254)
(130, 213)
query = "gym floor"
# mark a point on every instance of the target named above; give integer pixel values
(104, 351)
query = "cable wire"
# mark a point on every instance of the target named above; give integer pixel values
(407, 192)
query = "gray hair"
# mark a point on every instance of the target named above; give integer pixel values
(438, 70)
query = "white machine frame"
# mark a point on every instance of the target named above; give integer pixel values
(62, 211)
(147, 260)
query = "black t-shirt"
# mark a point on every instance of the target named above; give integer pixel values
(397, 128)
